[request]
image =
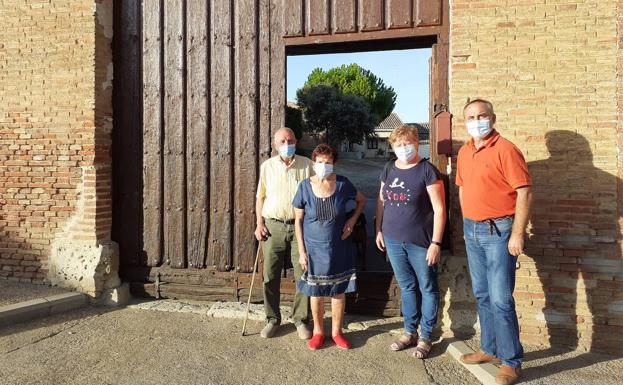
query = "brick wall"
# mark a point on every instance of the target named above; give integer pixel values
(551, 69)
(55, 121)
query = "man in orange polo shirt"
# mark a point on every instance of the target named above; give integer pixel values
(494, 191)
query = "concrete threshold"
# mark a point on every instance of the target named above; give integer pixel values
(485, 373)
(41, 307)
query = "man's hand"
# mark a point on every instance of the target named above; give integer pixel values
(261, 232)
(515, 244)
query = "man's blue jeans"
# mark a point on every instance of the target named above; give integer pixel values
(492, 269)
(418, 286)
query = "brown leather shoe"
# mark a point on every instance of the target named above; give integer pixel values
(507, 375)
(479, 358)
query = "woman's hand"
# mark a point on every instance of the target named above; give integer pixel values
(348, 228)
(433, 253)
(380, 243)
(303, 260)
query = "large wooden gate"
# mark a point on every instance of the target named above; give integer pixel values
(199, 87)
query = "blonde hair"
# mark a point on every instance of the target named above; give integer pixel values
(403, 132)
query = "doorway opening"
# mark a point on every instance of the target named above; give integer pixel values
(405, 70)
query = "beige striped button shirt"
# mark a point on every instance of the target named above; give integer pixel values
(279, 183)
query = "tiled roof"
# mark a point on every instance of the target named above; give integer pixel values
(423, 130)
(393, 121)
(388, 124)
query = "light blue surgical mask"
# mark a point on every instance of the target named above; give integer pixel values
(478, 129)
(323, 170)
(405, 153)
(287, 150)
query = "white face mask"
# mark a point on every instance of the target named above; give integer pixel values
(478, 129)
(405, 153)
(323, 170)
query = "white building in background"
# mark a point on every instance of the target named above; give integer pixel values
(377, 146)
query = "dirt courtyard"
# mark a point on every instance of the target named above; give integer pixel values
(131, 346)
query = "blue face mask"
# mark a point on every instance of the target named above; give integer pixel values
(478, 129)
(287, 150)
(405, 153)
(323, 170)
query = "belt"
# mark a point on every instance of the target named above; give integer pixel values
(284, 221)
(496, 219)
(492, 226)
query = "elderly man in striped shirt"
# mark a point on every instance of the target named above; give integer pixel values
(279, 179)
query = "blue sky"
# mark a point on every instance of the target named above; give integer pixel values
(405, 70)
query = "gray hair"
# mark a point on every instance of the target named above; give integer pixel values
(287, 129)
(478, 100)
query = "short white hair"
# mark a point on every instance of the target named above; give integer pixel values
(286, 129)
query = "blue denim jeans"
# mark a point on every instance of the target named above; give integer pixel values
(419, 292)
(492, 270)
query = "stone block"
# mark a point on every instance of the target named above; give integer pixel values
(118, 296)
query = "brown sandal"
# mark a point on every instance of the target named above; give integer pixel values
(422, 349)
(404, 341)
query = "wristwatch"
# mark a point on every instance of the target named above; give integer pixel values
(436, 243)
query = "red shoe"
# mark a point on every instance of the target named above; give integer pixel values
(341, 342)
(316, 342)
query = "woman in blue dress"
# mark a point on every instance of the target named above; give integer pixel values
(327, 253)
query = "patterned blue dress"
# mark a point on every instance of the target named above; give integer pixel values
(331, 260)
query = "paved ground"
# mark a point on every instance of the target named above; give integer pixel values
(13, 292)
(544, 366)
(183, 343)
(133, 346)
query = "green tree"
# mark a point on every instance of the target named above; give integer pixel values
(351, 79)
(337, 115)
(294, 120)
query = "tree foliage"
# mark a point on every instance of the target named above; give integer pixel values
(351, 79)
(335, 114)
(294, 120)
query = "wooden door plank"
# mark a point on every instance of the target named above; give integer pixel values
(264, 140)
(399, 14)
(371, 15)
(152, 133)
(197, 146)
(432, 98)
(438, 96)
(427, 12)
(317, 12)
(277, 67)
(245, 111)
(174, 157)
(344, 14)
(292, 16)
(127, 135)
(219, 240)
(264, 63)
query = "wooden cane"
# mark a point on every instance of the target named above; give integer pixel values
(246, 316)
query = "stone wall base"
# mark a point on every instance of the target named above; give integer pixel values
(89, 268)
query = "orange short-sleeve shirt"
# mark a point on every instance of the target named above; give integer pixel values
(489, 177)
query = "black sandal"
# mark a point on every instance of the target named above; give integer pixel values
(422, 349)
(404, 341)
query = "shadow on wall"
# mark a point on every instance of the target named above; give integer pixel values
(575, 244)
(457, 315)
